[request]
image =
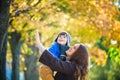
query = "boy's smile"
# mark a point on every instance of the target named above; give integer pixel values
(62, 39)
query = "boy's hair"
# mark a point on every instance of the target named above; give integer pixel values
(64, 33)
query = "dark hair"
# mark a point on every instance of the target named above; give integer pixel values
(80, 58)
(62, 33)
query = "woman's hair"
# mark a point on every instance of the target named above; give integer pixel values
(80, 58)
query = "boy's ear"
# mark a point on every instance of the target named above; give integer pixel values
(56, 39)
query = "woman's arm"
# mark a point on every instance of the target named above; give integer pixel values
(58, 65)
(38, 43)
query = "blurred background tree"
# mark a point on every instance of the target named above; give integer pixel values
(94, 23)
(4, 23)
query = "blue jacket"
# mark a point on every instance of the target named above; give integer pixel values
(55, 50)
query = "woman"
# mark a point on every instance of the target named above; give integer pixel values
(57, 49)
(74, 69)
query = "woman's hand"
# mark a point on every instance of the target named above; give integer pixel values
(38, 43)
(37, 38)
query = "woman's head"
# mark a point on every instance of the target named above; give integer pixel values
(72, 50)
(79, 55)
(63, 38)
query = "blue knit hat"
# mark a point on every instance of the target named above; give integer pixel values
(68, 37)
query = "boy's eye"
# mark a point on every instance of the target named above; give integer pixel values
(62, 36)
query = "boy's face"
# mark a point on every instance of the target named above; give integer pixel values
(62, 39)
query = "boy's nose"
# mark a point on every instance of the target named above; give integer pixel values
(61, 37)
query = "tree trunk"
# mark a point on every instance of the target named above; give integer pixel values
(3, 60)
(15, 49)
(31, 64)
(4, 18)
